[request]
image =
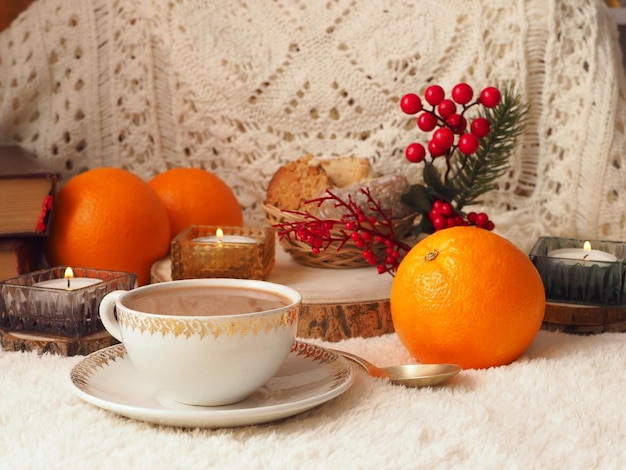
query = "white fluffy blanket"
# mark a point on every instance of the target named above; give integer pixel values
(561, 405)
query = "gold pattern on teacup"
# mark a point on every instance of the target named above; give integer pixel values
(208, 327)
(82, 372)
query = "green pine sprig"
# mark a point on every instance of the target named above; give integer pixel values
(477, 174)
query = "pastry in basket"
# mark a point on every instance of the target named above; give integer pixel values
(296, 182)
(308, 178)
(387, 190)
(347, 171)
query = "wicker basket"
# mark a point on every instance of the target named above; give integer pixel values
(348, 257)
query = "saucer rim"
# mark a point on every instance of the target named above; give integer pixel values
(212, 417)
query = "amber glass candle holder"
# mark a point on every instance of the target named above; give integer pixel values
(569, 276)
(201, 251)
(41, 302)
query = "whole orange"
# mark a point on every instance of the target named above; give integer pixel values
(467, 296)
(108, 218)
(193, 196)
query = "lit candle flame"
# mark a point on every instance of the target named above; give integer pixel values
(69, 274)
(219, 233)
(587, 245)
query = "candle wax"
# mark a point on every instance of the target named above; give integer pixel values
(225, 239)
(61, 283)
(582, 255)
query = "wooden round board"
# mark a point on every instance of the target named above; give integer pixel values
(336, 303)
(64, 346)
(584, 319)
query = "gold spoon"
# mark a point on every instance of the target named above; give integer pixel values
(409, 375)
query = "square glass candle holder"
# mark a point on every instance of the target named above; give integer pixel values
(572, 275)
(40, 301)
(201, 251)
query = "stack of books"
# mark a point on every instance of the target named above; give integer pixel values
(27, 191)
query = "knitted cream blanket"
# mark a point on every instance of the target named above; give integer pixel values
(241, 87)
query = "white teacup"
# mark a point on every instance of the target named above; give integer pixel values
(205, 342)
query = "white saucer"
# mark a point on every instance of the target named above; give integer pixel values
(309, 377)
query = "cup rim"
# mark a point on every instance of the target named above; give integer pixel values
(252, 284)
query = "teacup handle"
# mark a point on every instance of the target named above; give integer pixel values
(107, 313)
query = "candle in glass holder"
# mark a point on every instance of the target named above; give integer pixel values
(573, 271)
(230, 252)
(41, 302)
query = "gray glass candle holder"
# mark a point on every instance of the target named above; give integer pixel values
(587, 281)
(242, 253)
(40, 302)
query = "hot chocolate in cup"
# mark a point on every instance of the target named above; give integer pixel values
(206, 342)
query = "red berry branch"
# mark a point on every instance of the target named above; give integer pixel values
(473, 156)
(442, 215)
(366, 232)
(450, 122)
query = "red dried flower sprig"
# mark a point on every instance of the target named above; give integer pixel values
(367, 232)
(42, 221)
